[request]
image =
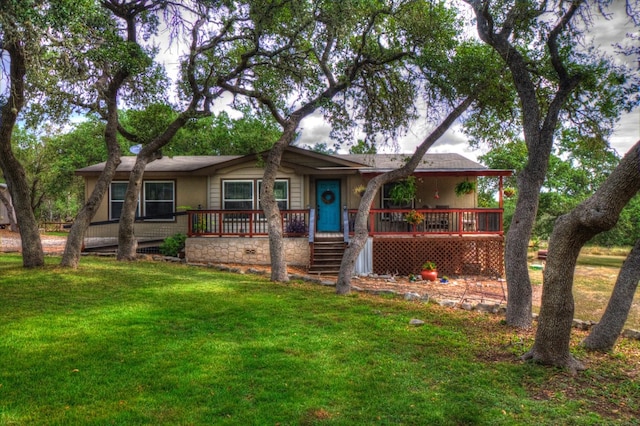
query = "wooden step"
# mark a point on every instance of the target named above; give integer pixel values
(327, 256)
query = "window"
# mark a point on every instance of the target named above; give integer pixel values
(237, 195)
(159, 199)
(245, 194)
(387, 203)
(116, 199)
(281, 192)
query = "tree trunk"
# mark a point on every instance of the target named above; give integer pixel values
(9, 207)
(519, 306)
(357, 242)
(75, 239)
(538, 129)
(270, 206)
(361, 233)
(603, 336)
(32, 253)
(597, 214)
(127, 242)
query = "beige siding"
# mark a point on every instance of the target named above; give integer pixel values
(190, 192)
(244, 172)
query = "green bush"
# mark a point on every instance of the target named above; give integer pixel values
(171, 246)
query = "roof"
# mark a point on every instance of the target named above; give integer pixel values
(179, 164)
(432, 164)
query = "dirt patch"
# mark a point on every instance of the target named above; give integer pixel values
(10, 242)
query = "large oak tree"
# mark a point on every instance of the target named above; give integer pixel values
(596, 214)
(557, 85)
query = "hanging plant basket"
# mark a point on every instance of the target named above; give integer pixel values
(464, 187)
(509, 192)
(403, 192)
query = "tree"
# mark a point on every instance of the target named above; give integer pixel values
(470, 75)
(576, 169)
(6, 202)
(553, 80)
(605, 333)
(66, 152)
(222, 135)
(347, 264)
(118, 58)
(596, 214)
(201, 94)
(318, 50)
(19, 45)
(363, 147)
(29, 151)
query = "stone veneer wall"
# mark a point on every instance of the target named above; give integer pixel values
(248, 251)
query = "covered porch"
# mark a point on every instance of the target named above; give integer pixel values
(460, 241)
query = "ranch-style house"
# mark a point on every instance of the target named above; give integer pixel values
(215, 201)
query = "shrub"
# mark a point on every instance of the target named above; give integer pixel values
(296, 225)
(173, 245)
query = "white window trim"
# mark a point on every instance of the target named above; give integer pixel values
(125, 182)
(173, 199)
(224, 198)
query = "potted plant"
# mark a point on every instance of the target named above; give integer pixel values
(429, 271)
(464, 187)
(413, 217)
(403, 192)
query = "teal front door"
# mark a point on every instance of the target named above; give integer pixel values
(328, 205)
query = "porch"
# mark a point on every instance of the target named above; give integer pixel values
(460, 241)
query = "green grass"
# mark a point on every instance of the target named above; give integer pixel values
(596, 272)
(153, 344)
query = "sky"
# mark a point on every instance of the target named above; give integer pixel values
(605, 33)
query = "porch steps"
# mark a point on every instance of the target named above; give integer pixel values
(327, 255)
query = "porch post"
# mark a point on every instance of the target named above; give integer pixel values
(345, 224)
(500, 200)
(312, 224)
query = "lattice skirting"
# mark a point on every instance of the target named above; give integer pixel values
(483, 256)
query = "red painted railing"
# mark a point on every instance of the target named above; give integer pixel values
(296, 223)
(244, 223)
(432, 221)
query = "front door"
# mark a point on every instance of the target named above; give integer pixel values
(328, 203)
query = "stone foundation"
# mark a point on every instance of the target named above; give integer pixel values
(247, 251)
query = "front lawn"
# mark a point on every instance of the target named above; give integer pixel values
(154, 344)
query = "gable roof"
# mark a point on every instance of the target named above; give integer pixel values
(448, 164)
(309, 162)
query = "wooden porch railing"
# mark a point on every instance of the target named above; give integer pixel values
(299, 223)
(244, 223)
(434, 221)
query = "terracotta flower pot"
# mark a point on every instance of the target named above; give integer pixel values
(429, 275)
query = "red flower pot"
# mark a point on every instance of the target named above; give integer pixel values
(429, 275)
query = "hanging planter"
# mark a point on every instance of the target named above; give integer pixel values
(403, 192)
(509, 192)
(359, 190)
(465, 187)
